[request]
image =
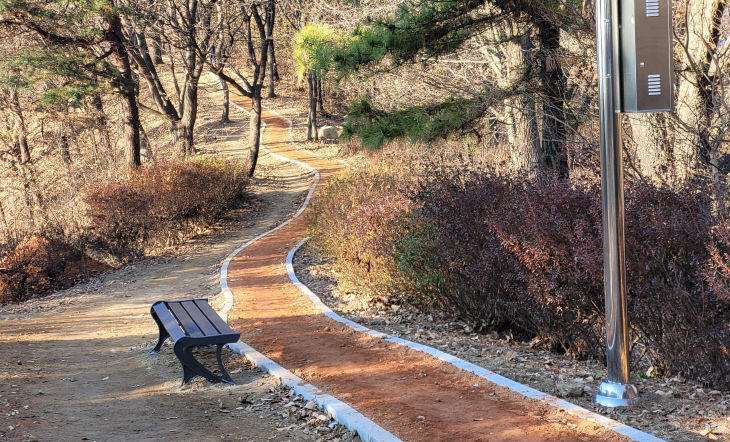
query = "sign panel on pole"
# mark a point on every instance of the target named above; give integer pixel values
(645, 33)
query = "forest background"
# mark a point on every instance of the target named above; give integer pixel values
(480, 193)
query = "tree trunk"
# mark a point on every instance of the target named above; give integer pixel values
(554, 155)
(315, 98)
(19, 128)
(523, 136)
(696, 42)
(131, 141)
(156, 47)
(184, 133)
(225, 112)
(274, 64)
(23, 166)
(710, 97)
(189, 103)
(254, 131)
(272, 71)
(148, 155)
(652, 147)
(96, 105)
(320, 99)
(33, 198)
(128, 89)
(311, 116)
(521, 115)
(700, 92)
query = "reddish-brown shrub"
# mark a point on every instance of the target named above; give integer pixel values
(356, 219)
(125, 215)
(528, 257)
(531, 255)
(39, 265)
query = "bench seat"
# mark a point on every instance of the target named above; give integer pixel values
(193, 323)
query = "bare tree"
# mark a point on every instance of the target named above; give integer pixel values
(188, 29)
(257, 17)
(702, 99)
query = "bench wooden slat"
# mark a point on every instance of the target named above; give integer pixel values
(193, 323)
(169, 321)
(185, 320)
(200, 318)
(216, 320)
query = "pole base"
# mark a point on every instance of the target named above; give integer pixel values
(615, 394)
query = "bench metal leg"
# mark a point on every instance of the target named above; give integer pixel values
(163, 336)
(224, 374)
(193, 368)
(188, 374)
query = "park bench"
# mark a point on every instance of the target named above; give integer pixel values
(193, 323)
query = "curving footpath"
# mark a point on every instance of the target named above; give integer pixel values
(399, 389)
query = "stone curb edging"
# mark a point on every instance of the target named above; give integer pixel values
(524, 390)
(340, 411)
(227, 294)
(344, 414)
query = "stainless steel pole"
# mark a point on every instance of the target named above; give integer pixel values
(615, 391)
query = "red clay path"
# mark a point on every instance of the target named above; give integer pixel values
(409, 393)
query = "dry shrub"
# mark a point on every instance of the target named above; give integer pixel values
(527, 257)
(128, 215)
(38, 265)
(356, 218)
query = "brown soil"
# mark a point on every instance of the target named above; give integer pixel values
(409, 393)
(74, 365)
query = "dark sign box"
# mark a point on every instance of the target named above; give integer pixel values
(645, 35)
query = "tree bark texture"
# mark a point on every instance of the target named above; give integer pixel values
(523, 132)
(128, 89)
(312, 133)
(652, 147)
(225, 104)
(554, 155)
(254, 133)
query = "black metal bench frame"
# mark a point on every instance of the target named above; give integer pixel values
(193, 323)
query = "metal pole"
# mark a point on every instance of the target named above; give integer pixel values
(615, 391)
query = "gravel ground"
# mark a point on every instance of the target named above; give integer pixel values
(74, 364)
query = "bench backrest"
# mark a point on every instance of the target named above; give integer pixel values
(194, 318)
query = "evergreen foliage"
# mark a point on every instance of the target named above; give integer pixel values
(77, 74)
(312, 48)
(73, 29)
(424, 27)
(417, 123)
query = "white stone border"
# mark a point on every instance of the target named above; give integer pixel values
(338, 410)
(227, 294)
(524, 390)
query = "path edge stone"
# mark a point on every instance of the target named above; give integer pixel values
(524, 390)
(342, 413)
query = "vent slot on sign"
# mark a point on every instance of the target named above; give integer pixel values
(654, 84)
(652, 8)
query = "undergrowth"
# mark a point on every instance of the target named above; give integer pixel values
(145, 208)
(527, 257)
(155, 206)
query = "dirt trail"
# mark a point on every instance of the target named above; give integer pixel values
(73, 366)
(409, 393)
